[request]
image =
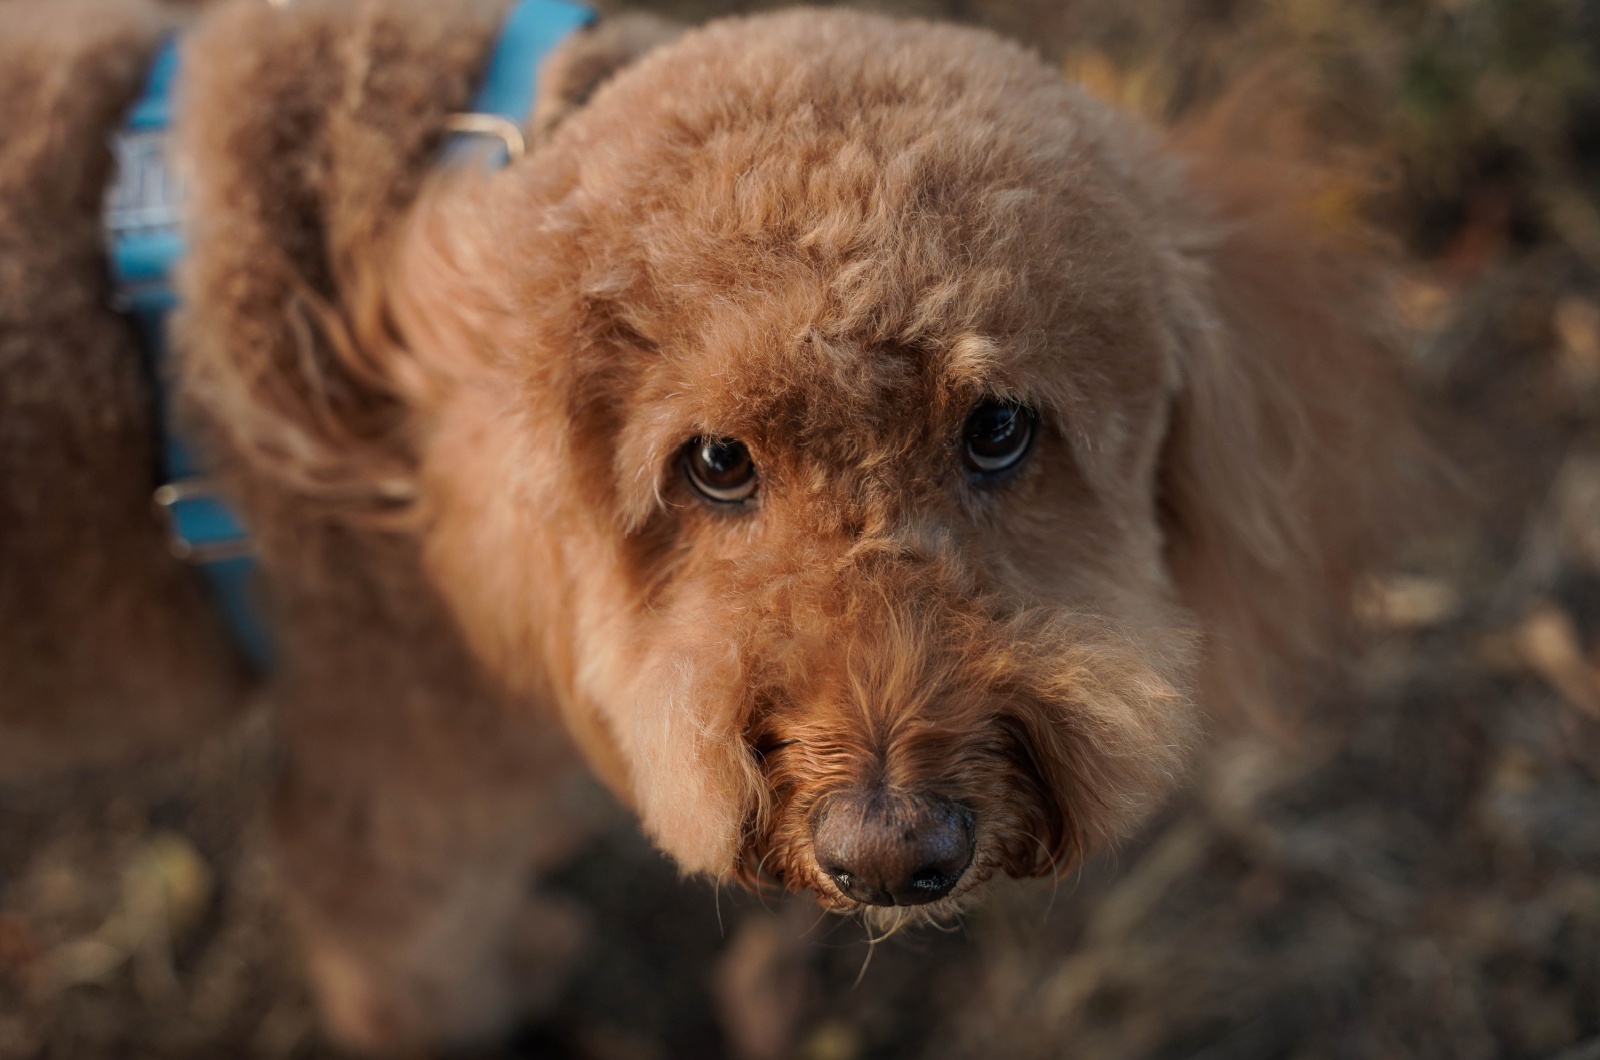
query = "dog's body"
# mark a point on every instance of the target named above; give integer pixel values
(689, 430)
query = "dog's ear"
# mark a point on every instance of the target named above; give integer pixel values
(306, 132)
(310, 131)
(1291, 464)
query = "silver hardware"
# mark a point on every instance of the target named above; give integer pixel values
(503, 129)
(167, 497)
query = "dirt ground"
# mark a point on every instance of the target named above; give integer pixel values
(1411, 870)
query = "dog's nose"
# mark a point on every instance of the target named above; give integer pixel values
(886, 849)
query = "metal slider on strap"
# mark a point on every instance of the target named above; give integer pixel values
(200, 527)
(529, 33)
(492, 125)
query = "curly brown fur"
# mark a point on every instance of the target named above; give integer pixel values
(454, 415)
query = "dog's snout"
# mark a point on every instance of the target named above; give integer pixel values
(885, 849)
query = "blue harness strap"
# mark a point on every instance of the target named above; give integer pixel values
(143, 221)
(532, 30)
(144, 243)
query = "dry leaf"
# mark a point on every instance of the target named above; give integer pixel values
(833, 1040)
(1407, 602)
(166, 888)
(1422, 304)
(1577, 325)
(1549, 645)
(1144, 89)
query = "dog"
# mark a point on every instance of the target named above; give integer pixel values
(866, 449)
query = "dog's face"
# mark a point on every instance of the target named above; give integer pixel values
(802, 420)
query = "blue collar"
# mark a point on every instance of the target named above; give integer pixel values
(144, 235)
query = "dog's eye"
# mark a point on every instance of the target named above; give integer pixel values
(721, 469)
(997, 436)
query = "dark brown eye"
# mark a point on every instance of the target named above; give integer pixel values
(721, 469)
(997, 436)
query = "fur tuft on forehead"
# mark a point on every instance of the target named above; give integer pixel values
(905, 186)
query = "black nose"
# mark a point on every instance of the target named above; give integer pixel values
(886, 849)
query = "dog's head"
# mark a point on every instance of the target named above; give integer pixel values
(852, 426)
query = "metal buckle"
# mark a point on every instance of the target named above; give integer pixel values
(170, 497)
(503, 129)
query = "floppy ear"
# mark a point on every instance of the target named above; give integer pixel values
(1292, 463)
(307, 131)
(310, 133)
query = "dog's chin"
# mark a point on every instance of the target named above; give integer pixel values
(885, 920)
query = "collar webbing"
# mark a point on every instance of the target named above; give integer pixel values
(532, 30)
(143, 220)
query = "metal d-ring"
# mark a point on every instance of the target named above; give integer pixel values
(168, 497)
(503, 129)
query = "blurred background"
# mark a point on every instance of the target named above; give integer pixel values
(1412, 869)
